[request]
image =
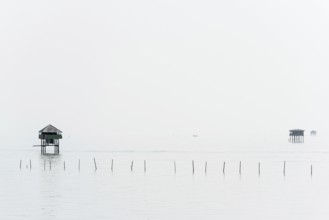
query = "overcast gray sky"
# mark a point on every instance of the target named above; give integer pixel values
(121, 73)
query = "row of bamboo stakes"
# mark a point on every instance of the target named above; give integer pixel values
(132, 166)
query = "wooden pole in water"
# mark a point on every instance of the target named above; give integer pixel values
(224, 168)
(112, 166)
(30, 164)
(64, 164)
(50, 164)
(132, 166)
(193, 166)
(205, 168)
(79, 165)
(240, 168)
(95, 163)
(258, 168)
(44, 164)
(20, 164)
(284, 168)
(144, 166)
(175, 166)
(311, 170)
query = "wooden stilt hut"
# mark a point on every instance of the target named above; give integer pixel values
(296, 136)
(313, 133)
(50, 136)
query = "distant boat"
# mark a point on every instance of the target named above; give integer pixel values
(195, 135)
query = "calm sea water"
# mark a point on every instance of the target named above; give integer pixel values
(47, 191)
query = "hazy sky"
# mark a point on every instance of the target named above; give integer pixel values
(125, 72)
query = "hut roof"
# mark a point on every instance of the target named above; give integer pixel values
(51, 129)
(296, 130)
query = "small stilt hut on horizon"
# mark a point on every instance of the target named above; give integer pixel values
(313, 133)
(296, 136)
(50, 136)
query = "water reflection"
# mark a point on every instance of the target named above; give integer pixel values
(50, 185)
